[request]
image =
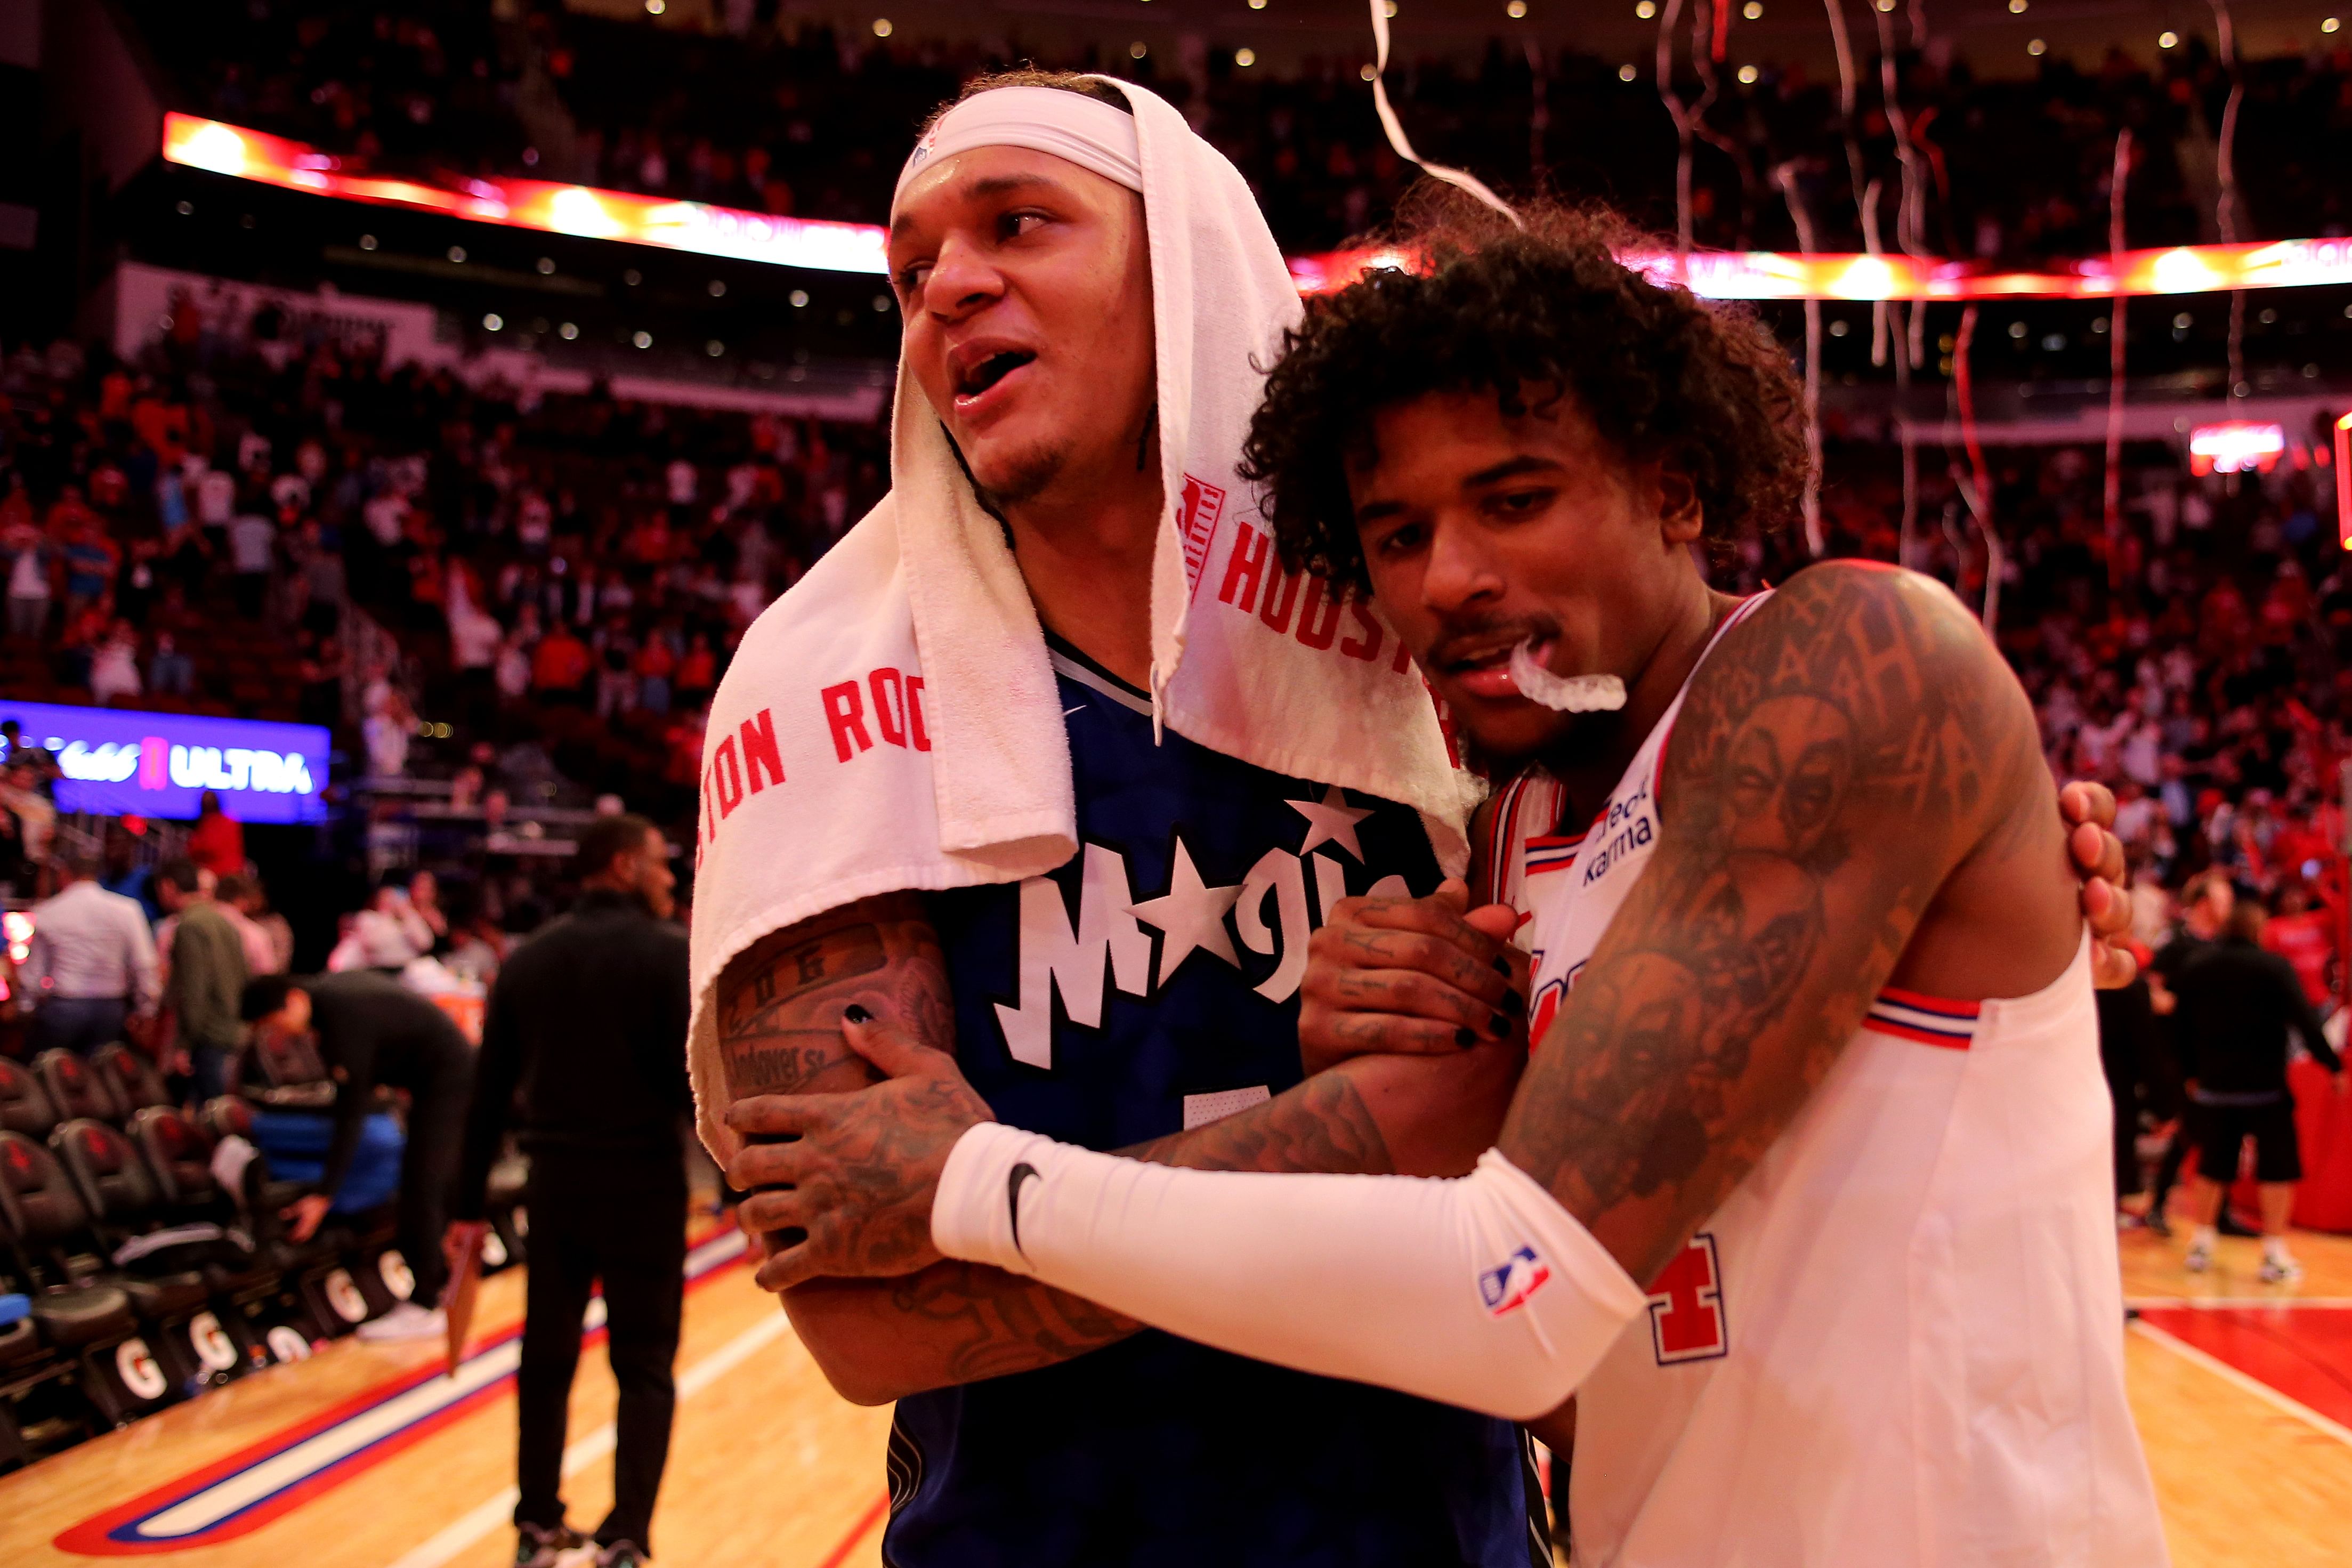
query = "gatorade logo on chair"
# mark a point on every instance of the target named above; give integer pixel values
(135, 1364)
(394, 1270)
(286, 1343)
(213, 1347)
(345, 1297)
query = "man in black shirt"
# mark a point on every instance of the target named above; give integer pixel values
(372, 1031)
(2237, 1004)
(588, 1019)
(2205, 905)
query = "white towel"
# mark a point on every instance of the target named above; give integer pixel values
(892, 721)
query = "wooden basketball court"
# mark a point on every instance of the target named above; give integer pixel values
(370, 1457)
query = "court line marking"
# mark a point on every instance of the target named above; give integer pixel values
(480, 1520)
(2245, 1381)
(2236, 1303)
(857, 1532)
(213, 1502)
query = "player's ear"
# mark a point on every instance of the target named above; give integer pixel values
(1681, 518)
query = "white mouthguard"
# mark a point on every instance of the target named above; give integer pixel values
(1563, 693)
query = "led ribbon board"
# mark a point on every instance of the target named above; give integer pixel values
(707, 230)
(540, 204)
(117, 760)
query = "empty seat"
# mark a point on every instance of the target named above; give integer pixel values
(24, 1105)
(179, 1156)
(74, 1090)
(131, 1078)
(41, 1215)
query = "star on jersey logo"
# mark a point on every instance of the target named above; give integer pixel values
(1191, 915)
(1331, 820)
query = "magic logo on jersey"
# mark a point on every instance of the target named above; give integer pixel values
(1505, 1288)
(1197, 921)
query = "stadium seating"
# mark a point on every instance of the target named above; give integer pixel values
(130, 1078)
(76, 1091)
(93, 1326)
(24, 1105)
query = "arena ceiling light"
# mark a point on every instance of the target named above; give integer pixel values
(706, 230)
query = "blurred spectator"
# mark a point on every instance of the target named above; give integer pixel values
(2238, 1006)
(114, 667)
(30, 563)
(216, 843)
(204, 978)
(169, 671)
(90, 964)
(560, 666)
(236, 896)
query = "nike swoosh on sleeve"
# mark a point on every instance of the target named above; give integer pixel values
(1020, 1173)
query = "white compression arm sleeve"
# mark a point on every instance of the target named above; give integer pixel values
(1481, 1291)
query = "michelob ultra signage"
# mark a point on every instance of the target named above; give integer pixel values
(116, 760)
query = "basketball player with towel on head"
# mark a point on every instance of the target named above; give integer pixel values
(1804, 1196)
(960, 777)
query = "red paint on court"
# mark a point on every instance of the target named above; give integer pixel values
(2304, 1353)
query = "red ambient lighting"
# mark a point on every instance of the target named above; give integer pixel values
(2344, 481)
(707, 230)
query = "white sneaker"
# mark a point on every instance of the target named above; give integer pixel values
(406, 1321)
(2199, 1258)
(2281, 1270)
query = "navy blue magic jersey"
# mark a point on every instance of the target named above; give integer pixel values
(1148, 985)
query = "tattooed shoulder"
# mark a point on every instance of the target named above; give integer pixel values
(1832, 763)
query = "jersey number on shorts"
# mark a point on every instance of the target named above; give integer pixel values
(1686, 1316)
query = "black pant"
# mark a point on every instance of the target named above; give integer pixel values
(80, 1024)
(428, 1170)
(625, 1226)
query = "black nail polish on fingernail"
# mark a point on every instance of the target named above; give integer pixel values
(857, 1014)
(1499, 1025)
(1503, 967)
(1465, 1039)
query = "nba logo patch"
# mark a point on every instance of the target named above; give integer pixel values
(1507, 1286)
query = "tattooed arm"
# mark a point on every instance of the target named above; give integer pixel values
(780, 1010)
(1854, 760)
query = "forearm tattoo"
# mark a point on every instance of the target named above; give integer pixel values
(1828, 770)
(780, 1009)
(1322, 1124)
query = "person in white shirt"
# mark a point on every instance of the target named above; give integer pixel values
(90, 964)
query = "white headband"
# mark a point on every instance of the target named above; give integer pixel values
(1086, 131)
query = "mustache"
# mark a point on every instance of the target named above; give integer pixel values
(1482, 635)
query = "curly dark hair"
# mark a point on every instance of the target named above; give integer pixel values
(1704, 389)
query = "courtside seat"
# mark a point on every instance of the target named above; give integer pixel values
(179, 1156)
(91, 1315)
(282, 1069)
(24, 1105)
(74, 1090)
(306, 1270)
(91, 1323)
(159, 1271)
(130, 1076)
(20, 1339)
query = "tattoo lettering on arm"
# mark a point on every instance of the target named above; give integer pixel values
(780, 1004)
(1833, 763)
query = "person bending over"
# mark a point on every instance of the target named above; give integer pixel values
(372, 1031)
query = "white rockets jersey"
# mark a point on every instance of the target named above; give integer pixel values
(1900, 1339)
